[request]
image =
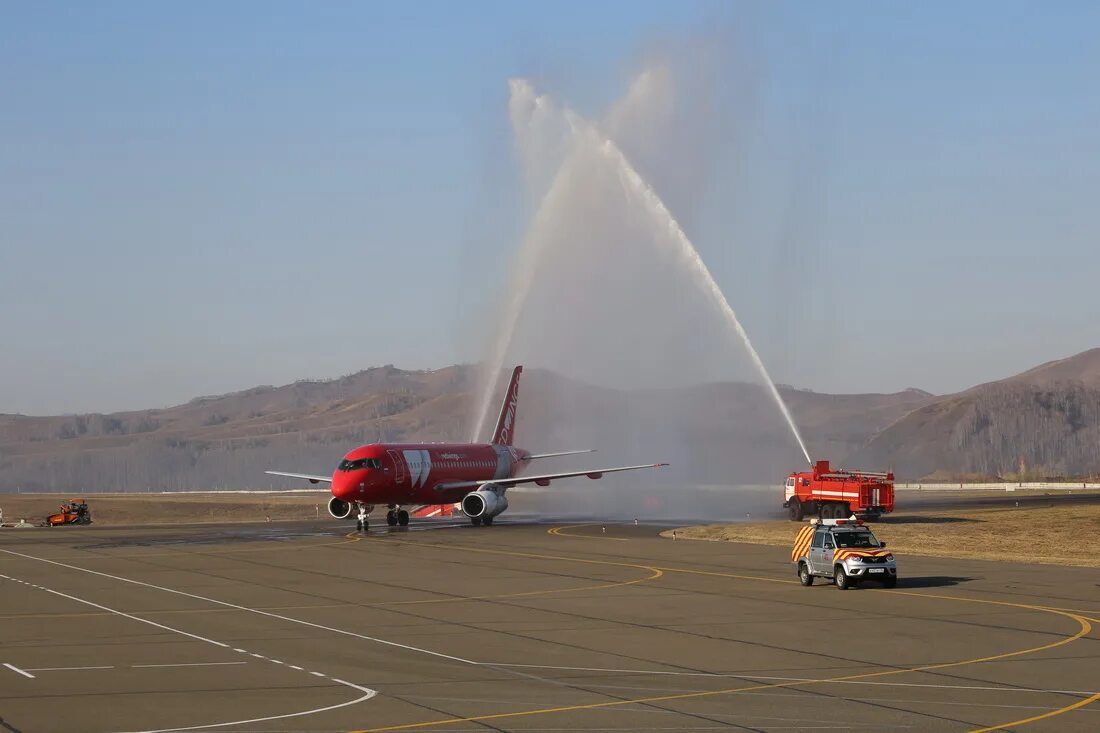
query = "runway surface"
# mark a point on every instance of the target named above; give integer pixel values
(523, 627)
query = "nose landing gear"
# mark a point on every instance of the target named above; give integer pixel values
(364, 511)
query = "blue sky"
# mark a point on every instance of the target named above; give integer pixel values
(201, 197)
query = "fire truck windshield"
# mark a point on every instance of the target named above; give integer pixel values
(855, 540)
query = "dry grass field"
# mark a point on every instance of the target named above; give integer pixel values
(1055, 535)
(116, 510)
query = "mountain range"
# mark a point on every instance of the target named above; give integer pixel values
(1043, 422)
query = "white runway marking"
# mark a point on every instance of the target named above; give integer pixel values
(257, 611)
(133, 666)
(64, 669)
(185, 664)
(367, 692)
(123, 613)
(15, 669)
(367, 695)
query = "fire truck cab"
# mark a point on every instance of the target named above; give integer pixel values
(837, 493)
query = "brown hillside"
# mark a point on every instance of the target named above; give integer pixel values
(717, 433)
(1045, 421)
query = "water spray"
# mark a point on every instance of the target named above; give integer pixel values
(691, 256)
(532, 251)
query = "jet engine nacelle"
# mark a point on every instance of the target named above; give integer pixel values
(488, 501)
(339, 508)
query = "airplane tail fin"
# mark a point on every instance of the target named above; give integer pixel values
(506, 423)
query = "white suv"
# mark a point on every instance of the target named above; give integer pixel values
(845, 551)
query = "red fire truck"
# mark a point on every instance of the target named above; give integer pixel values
(838, 494)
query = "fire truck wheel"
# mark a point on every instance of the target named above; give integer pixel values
(842, 511)
(794, 510)
(804, 575)
(843, 581)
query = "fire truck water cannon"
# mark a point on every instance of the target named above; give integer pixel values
(832, 493)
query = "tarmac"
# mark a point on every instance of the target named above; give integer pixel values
(523, 626)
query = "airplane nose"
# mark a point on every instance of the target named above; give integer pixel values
(343, 487)
(350, 486)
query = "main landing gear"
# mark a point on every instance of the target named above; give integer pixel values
(396, 516)
(478, 521)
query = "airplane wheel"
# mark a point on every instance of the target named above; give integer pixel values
(391, 518)
(403, 518)
(476, 521)
(358, 526)
(488, 521)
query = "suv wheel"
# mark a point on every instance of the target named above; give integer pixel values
(843, 580)
(805, 577)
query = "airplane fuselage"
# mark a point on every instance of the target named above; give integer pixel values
(419, 473)
(477, 475)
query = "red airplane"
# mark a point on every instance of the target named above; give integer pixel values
(474, 475)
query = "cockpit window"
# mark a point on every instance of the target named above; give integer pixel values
(359, 465)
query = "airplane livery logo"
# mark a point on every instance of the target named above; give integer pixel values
(420, 465)
(510, 414)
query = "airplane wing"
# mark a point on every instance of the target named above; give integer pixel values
(542, 479)
(562, 453)
(307, 476)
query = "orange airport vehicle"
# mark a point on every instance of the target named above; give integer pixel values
(838, 493)
(75, 512)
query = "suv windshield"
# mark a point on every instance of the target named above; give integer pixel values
(855, 540)
(346, 465)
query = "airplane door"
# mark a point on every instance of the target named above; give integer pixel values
(398, 467)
